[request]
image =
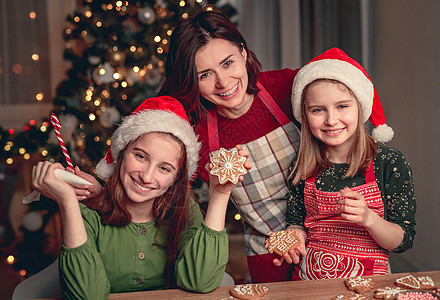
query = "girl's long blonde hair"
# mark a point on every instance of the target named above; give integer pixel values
(312, 159)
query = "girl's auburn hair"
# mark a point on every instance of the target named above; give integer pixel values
(312, 159)
(171, 211)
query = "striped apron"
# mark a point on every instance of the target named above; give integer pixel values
(338, 248)
(262, 196)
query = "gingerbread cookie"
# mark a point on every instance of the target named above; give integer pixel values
(426, 283)
(359, 285)
(388, 293)
(249, 291)
(416, 283)
(228, 165)
(281, 241)
(349, 296)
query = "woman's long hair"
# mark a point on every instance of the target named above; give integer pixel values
(181, 80)
(171, 211)
(312, 159)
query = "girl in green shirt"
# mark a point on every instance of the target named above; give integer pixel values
(144, 230)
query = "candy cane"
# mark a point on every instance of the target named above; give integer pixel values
(56, 126)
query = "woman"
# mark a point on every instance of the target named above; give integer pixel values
(143, 230)
(211, 71)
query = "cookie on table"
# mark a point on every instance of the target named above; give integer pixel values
(416, 283)
(359, 284)
(387, 293)
(349, 296)
(248, 291)
(426, 283)
(228, 165)
(281, 241)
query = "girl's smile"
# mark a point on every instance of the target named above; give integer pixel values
(149, 167)
(332, 114)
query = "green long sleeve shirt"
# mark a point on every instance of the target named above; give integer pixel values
(124, 259)
(394, 179)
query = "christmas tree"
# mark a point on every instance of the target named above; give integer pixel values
(117, 51)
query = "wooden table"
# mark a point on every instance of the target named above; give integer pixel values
(324, 289)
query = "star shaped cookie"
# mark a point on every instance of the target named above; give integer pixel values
(228, 165)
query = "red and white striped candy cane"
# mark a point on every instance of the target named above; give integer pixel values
(56, 126)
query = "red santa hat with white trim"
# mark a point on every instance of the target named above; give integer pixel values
(337, 65)
(159, 114)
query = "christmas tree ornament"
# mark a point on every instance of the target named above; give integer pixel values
(116, 58)
(32, 221)
(154, 76)
(103, 74)
(94, 60)
(109, 117)
(132, 77)
(146, 15)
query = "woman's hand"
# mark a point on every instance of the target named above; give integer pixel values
(294, 254)
(46, 183)
(354, 208)
(84, 192)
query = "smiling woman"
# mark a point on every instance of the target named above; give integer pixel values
(144, 230)
(223, 77)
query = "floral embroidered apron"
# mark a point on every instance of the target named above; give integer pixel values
(338, 248)
(262, 197)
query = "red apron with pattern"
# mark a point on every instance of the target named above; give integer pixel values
(262, 197)
(336, 247)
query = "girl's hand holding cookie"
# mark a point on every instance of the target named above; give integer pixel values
(226, 186)
(354, 208)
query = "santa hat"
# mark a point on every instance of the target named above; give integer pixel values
(159, 114)
(337, 65)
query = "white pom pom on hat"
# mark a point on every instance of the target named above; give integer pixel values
(337, 65)
(158, 114)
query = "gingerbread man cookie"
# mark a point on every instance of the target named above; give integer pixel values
(249, 291)
(359, 285)
(228, 165)
(281, 241)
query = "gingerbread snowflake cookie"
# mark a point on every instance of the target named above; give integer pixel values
(249, 291)
(387, 293)
(281, 241)
(228, 165)
(359, 284)
(416, 283)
